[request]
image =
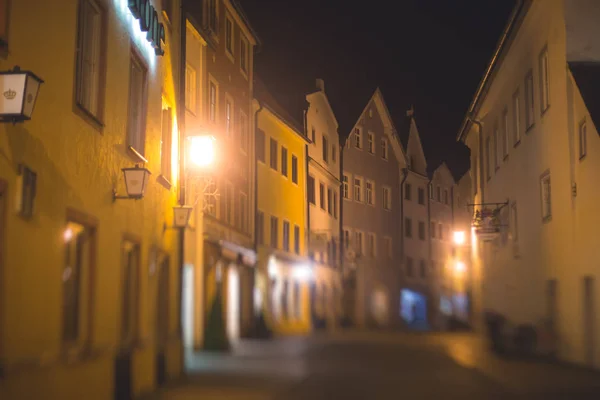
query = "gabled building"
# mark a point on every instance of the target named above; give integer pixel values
(373, 160)
(534, 145)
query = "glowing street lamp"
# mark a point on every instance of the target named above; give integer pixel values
(460, 266)
(459, 238)
(201, 150)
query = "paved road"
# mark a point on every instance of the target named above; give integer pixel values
(378, 366)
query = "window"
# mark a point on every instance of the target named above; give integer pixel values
(544, 82)
(228, 117)
(582, 139)
(297, 301)
(296, 239)
(136, 124)
(446, 197)
(286, 236)
(371, 244)
(346, 238)
(529, 104)
(431, 191)
(421, 195)
(190, 88)
(284, 163)
(488, 159)
(325, 149)
(440, 232)
(514, 225)
(409, 267)
(371, 142)
(130, 257)
(496, 147)
(212, 16)
(387, 198)
(421, 230)
(369, 193)
(322, 195)
(358, 242)
(329, 201)
(432, 230)
(358, 189)
(244, 56)
(229, 201)
(260, 145)
(516, 117)
(439, 194)
(505, 133)
(273, 154)
(212, 101)
(407, 227)
(294, 169)
(76, 276)
(346, 186)
(333, 153)
(243, 212)
(90, 54)
(229, 35)
(335, 205)
(423, 269)
(166, 147)
(260, 227)
(311, 190)
(210, 200)
(546, 197)
(384, 148)
(243, 132)
(389, 251)
(407, 191)
(358, 138)
(274, 231)
(313, 135)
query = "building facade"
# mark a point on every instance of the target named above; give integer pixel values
(284, 271)
(220, 251)
(532, 136)
(373, 160)
(324, 207)
(90, 310)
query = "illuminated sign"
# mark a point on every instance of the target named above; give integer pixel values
(148, 17)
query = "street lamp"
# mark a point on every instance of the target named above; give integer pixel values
(201, 150)
(19, 92)
(459, 266)
(181, 216)
(459, 238)
(136, 180)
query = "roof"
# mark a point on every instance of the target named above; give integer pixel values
(512, 27)
(587, 78)
(266, 99)
(238, 7)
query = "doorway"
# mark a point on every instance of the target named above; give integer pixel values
(233, 302)
(162, 319)
(588, 320)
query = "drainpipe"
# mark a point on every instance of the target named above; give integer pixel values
(260, 107)
(481, 171)
(429, 216)
(404, 177)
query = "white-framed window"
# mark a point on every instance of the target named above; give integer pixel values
(286, 235)
(546, 196)
(213, 93)
(582, 139)
(358, 137)
(346, 186)
(505, 133)
(90, 56)
(358, 187)
(544, 81)
(387, 198)
(244, 54)
(529, 100)
(516, 108)
(325, 148)
(136, 124)
(358, 242)
(514, 226)
(389, 250)
(370, 192)
(228, 115)
(371, 244)
(243, 132)
(371, 142)
(229, 36)
(384, 149)
(190, 88)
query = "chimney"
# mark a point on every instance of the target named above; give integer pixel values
(321, 85)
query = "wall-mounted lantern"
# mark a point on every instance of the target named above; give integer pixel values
(18, 93)
(181, 216)
(136, 180)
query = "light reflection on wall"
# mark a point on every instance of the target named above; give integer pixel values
(133, 27)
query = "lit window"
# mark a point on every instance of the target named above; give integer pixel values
(136, 124)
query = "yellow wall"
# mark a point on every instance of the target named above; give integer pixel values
(77, 166)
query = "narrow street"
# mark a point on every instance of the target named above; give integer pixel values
(377, 366)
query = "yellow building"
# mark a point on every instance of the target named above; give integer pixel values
(89, 284)
(283, 271)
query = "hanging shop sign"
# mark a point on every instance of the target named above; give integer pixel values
(148, 17)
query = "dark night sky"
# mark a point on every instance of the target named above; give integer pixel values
(430, 53)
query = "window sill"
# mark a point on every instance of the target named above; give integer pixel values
(230, 56)
(244, 73)
(547, 219)
(517, 143)
(545, 110)
(88, 117)
(164, 182)
(529, 128)
(581, 158)
(135, 155)
(505, 158)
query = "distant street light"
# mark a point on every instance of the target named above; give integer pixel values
(459, 238)
(460, 266)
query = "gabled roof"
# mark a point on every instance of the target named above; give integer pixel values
(266, 99)
(444, 170)
(414, 147)
(324, 95)
(587, 78)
